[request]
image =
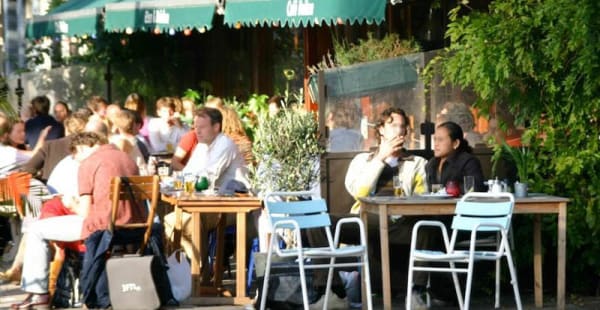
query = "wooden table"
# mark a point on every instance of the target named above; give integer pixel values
(197, 205)
(536, 204)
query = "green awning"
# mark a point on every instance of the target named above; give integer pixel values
(297, 13)
(131, 15)
(72, 18)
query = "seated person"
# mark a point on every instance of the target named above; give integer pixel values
(166, 130)
(216, 154)
(451, 162)
(452, 158)
(40, 107)
(100, 162)
(372, 174)
(343, 122)
(125, 138)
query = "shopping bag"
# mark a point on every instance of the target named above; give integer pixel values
(180, 275)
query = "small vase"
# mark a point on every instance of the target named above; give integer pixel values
(520, 190)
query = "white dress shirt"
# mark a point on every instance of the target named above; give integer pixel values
(222, 158)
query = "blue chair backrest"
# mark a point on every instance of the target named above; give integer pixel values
(489, 208)
(307, 213)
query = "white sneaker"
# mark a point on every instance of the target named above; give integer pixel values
(334, 302)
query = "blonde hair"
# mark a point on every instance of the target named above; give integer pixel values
(75, 123)
(232, 124)
(136, 103)
(214, 102)
(178, 104)
(125, 121)
(165, 102)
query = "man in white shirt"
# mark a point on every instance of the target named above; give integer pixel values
(218, 156)
(215, 153)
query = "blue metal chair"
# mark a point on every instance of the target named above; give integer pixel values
(475, 212)
(296, 215)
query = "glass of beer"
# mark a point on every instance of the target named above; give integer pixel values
(177, 180)
(398, 186)
(189, 182)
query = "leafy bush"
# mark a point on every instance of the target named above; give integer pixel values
(371, 49)
(287, 148)
(541, 59)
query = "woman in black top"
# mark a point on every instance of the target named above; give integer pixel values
(453, 159)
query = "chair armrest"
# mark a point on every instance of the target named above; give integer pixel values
(349, 220)
(284, 224)
(425, 223)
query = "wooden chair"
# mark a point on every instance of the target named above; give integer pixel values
(136, 190)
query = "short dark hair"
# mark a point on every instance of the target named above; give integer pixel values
(214, 115)
(88, 139)
(40, 105)
(386, 116)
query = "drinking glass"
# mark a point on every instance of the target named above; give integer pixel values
(435, 188)
(469, 183)
(177, 180)
(189, 181)
(212, 177)
(397, 186)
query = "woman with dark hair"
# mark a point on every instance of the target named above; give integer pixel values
(452, 158)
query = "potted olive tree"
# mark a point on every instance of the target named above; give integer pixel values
(287, 150)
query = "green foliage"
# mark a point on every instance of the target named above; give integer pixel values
(5, 106)
(54, 3)
(541, 59)
(193, 95)
(287, 148)
(522, 157)
(371, 49)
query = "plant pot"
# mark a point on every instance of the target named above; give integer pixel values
(521, 190)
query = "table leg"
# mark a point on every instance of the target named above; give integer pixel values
(537, 261)
(562, 252)
(363, 218)
(385, 257)
(240, 256)
(196, 260)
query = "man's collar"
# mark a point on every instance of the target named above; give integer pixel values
(217, 137)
